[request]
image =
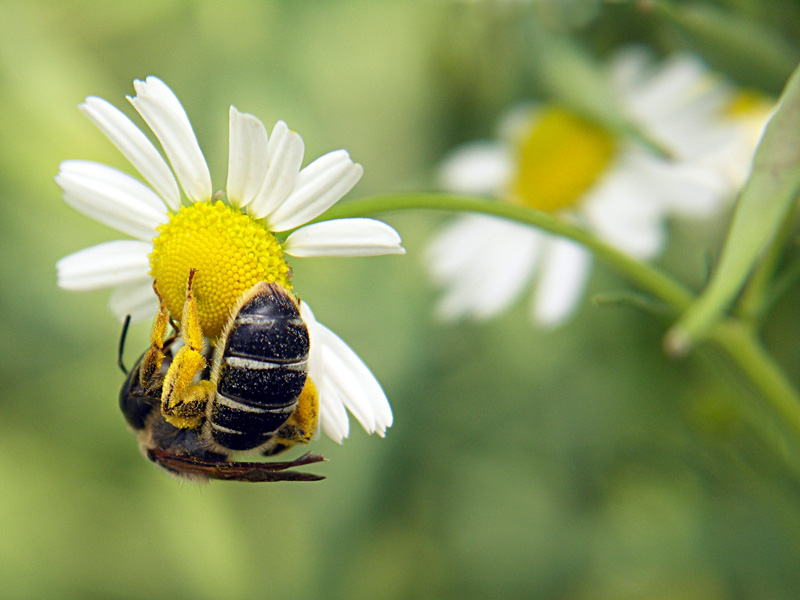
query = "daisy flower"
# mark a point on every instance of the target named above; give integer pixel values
(552, 159)
(700, 118)
(232, 245)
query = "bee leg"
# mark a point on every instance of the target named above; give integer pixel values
(183, 403)
(301, 424)
(151, 361)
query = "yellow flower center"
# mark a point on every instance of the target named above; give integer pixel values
(558, 158)
(229, 251)
(748, 103)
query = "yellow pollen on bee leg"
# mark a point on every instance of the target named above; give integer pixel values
(229, 251)
(302, 423)
(560, 156)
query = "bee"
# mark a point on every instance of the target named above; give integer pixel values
(190, 416)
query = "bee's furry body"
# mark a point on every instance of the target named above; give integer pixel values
(261, 398)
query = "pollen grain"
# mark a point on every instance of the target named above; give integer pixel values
(229, 251)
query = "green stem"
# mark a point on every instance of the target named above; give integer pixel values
(644, 276)
(732, 335)
(745, 350)
(781, 285)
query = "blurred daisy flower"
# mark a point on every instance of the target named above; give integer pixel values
(232, 245)
(699, 118)
(552, 159)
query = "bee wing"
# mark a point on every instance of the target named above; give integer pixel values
(239, 471)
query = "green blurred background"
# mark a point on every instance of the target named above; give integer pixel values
(573, 464)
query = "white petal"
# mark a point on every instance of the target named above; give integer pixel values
(561, 282)
(679, 78)
(625, 210)
(347, 381)
(361, 392)
(285, 155)
(511, 274)
(136, 299)
(628, 67)
(154, 87)
(317, 187)
(247, 158)
(453, 249)
(333, 420)
(104, 265)
(344, 237)
(135, 146)
(515, 125)
(164, 114)
(348, 389)
(127, 185)
(476, 168)
(686, 189)
(677, 103)
(484, 264)
(315, 351)
(112, 198)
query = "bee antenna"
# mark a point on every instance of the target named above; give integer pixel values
(121, 349)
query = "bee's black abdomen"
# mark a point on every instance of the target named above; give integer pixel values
(268, 327)
(237, 440)
(262, 383)
(262, 369)
(246, 418)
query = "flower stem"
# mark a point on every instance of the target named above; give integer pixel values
(646, 277)
(739, 341)
(782, 283)
(732, 335)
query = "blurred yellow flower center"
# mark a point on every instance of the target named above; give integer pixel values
(229, 251)
(558, 159)
(749, 103)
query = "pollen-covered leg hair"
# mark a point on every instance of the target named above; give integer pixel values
(183, 403)
(301, 424)
(151, 361)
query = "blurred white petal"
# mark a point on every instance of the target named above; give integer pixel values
(453, 249)
(685, 189)
(628, 67)
(623, 211)
(684, 107)
(484, 263)
(678, 79)
(164, 114)
(562, 281)
(514, 124)
(317, 187)
(247, 158)
(480, 168)
(135, 146)
(344, 237)
(105, 265)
